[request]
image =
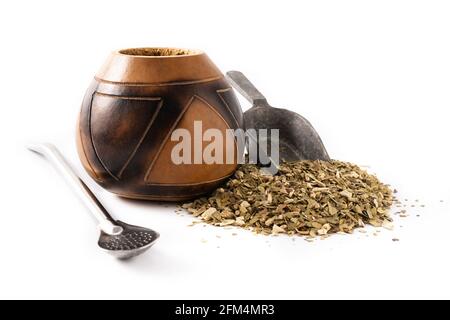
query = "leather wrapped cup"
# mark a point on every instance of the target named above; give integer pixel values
(132, 107)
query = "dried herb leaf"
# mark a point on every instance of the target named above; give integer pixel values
(305, 198)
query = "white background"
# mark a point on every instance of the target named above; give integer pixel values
(372, 76)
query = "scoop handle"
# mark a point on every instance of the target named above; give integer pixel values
(240, 82)
(52, 154)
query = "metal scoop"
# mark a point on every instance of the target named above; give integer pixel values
(298, 140)
(121, 240)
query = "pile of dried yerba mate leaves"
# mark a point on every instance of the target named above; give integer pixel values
(309, 198)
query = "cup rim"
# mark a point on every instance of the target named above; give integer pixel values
(181, 52)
